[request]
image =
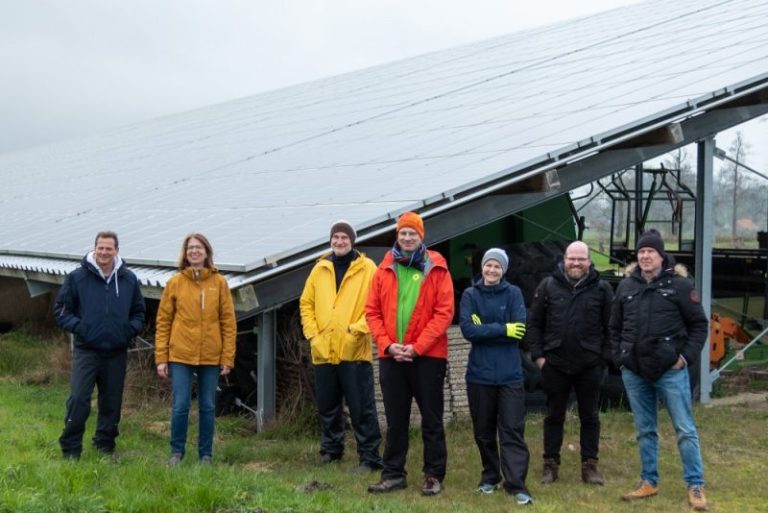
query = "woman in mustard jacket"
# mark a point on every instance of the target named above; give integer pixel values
(195, 334)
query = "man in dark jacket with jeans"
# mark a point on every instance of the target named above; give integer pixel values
(101, 304)
(568, 336)
(658, 328)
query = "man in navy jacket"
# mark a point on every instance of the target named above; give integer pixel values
(101, 304)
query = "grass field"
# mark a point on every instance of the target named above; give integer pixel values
(266, 472)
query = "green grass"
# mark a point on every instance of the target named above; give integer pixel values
(261, 472)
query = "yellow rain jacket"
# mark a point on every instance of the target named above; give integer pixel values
(196, 320)
(334, 323)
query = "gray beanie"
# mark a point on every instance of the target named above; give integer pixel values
(499, 255)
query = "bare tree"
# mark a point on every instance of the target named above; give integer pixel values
(737, 151)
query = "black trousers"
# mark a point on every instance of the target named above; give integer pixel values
(401, 382)
(105, 370)
(499, 410)
(558, 386)
(351, 382)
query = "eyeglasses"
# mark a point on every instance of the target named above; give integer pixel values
(192, 248)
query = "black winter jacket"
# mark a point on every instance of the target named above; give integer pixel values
(568, 324)
(652, 323)
(103, 316)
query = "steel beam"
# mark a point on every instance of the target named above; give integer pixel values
(266, 369)
(703, 248)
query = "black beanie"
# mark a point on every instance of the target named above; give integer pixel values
(651, 239)
(344, 227)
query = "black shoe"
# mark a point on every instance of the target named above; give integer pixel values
(388, 485)
(326, 458)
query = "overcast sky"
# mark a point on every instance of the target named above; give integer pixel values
(76, 67)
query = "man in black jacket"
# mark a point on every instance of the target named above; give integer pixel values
(658, 328)
(101, 304)
(568, 336)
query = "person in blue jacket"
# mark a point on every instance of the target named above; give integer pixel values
(101, 304)
(492, 318)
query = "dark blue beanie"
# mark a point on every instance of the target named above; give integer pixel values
(651, 239)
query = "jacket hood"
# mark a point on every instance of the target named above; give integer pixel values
(89, 262)
(328, 257)
(202, 274)
(477, 282)
(435, 260)
(676, 269)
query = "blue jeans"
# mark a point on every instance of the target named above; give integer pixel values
(674, 391)
(181, 383)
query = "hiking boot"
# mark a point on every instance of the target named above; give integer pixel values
(696, 498)
(388, 485)
(174, 460)
(550, 471)
(431, 486)
(589, 472)
(643, 490)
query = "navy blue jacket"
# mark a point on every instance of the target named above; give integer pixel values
(103, 316)
(494, 358)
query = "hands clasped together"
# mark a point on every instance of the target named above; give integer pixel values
(402, 352)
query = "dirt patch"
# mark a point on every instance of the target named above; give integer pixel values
(313, 486)
(258, 466)
(753, 399)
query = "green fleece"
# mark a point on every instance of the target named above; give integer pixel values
(409, 281)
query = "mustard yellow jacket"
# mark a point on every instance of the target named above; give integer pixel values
(334, 323)
(196, 320)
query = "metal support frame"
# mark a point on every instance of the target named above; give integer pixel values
(265, 372)
(703, 248)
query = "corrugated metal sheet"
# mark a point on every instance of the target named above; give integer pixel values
(266, 175)
(149, 276)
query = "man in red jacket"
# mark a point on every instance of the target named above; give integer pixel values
(409, 308)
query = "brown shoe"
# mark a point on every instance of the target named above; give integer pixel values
(589, 472)
(388, 485)
(550, 471)
(696, 498)
(643, 490)
(431, 486)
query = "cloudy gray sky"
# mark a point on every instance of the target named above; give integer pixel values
(83, 66)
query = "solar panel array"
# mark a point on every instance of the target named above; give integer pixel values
(266, 175)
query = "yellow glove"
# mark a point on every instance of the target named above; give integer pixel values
(515, 330)
(476, 319)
